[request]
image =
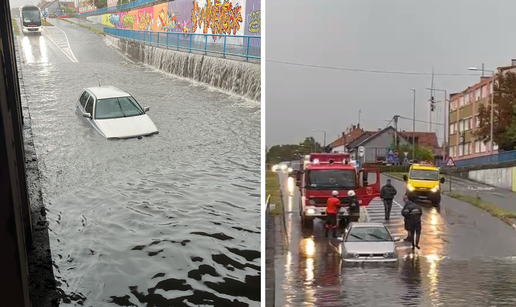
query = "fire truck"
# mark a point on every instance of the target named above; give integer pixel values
(323, 173)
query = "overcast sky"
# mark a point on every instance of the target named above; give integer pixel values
(393, 35)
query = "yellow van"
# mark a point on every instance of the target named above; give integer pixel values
(423, 182)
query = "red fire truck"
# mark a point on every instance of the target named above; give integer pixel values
(323, 173)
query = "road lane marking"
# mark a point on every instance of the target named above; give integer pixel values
(72, 57)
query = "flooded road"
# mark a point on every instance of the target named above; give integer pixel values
(467, 258)
(168, 220)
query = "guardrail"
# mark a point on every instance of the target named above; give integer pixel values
(120, 7)
(267, 211)
(505, 156)
(246, 46)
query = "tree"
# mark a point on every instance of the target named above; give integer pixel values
(279, 153)
(421, 153)
(504, 101)
(100, 4)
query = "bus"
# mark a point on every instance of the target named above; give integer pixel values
(30, 16)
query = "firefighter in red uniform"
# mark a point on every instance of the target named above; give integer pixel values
(332, 209)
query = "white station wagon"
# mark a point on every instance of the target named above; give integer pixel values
(114, 113)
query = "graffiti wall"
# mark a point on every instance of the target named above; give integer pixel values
(231, 17)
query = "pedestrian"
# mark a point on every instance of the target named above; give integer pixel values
(412, 213)
(387, 194)
(332, 209)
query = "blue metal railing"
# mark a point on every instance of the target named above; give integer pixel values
(125, 6)
(246, 46)
(506, 156)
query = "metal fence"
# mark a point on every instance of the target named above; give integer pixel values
(267, 210)
(126, 6)
(245, 46)
(506, 156)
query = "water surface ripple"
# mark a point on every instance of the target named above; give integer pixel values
(168, 220)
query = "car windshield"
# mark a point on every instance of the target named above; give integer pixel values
(368, 234)
(31, 16)
(117, 107)
(419, 174)
(331, 179)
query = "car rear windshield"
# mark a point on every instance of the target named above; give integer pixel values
(117, 107)
(368, 234)
(420, 174)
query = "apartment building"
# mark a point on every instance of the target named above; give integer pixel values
(463, 118)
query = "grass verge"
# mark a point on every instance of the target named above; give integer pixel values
(46, 23)
(272, 188)
(396, 175)
(85, 27)
(494, 210)
(15, 27)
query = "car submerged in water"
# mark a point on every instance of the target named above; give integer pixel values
(368, 242)
(114, 113)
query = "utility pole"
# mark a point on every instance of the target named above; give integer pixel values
(430, 107)
(414, 126)
(396, 118)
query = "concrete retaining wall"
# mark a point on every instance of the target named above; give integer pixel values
(498, 177)
(237, 77)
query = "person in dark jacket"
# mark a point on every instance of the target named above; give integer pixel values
(412, 213)
(387, 195)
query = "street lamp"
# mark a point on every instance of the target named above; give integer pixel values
(322, 131)
(414, 126)
(445, 128)
(491, 145)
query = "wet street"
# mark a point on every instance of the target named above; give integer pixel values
(467, 258)
(168, 220)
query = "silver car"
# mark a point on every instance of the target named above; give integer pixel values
(368, 242)
(114, 113)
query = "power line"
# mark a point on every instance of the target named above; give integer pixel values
(373, 71)
(420, 121)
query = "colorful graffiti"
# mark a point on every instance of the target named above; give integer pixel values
(128, 21)
(193, 16)
(220, 17)
(253, 17)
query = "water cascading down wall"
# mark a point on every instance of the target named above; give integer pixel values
(230, 17)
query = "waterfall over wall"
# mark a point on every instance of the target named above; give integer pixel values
(234, 76)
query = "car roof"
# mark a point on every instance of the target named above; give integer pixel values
(107, 91)
(368, 225)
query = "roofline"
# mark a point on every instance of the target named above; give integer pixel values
(380, 132)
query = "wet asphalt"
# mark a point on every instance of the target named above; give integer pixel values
(467, 258)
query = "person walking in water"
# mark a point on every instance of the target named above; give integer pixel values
(332, 209)
(387, 194)
(412, 213)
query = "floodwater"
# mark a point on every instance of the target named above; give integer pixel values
(467, 258)
(167, 220)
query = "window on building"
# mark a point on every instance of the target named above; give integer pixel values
(477, 146)
(477, 121)
(461, 125)
(452, 128)
(467, 99)
(467, 148)
(461, 153)
(452, 151)
(461, 103)
(477, 95)
(483, 147)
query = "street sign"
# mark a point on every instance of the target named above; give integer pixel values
(361, 150)
(450, 162)
(405, 153)
(391, 158)
(45, 15)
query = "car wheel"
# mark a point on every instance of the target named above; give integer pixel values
(436, 201)
(307, 222)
